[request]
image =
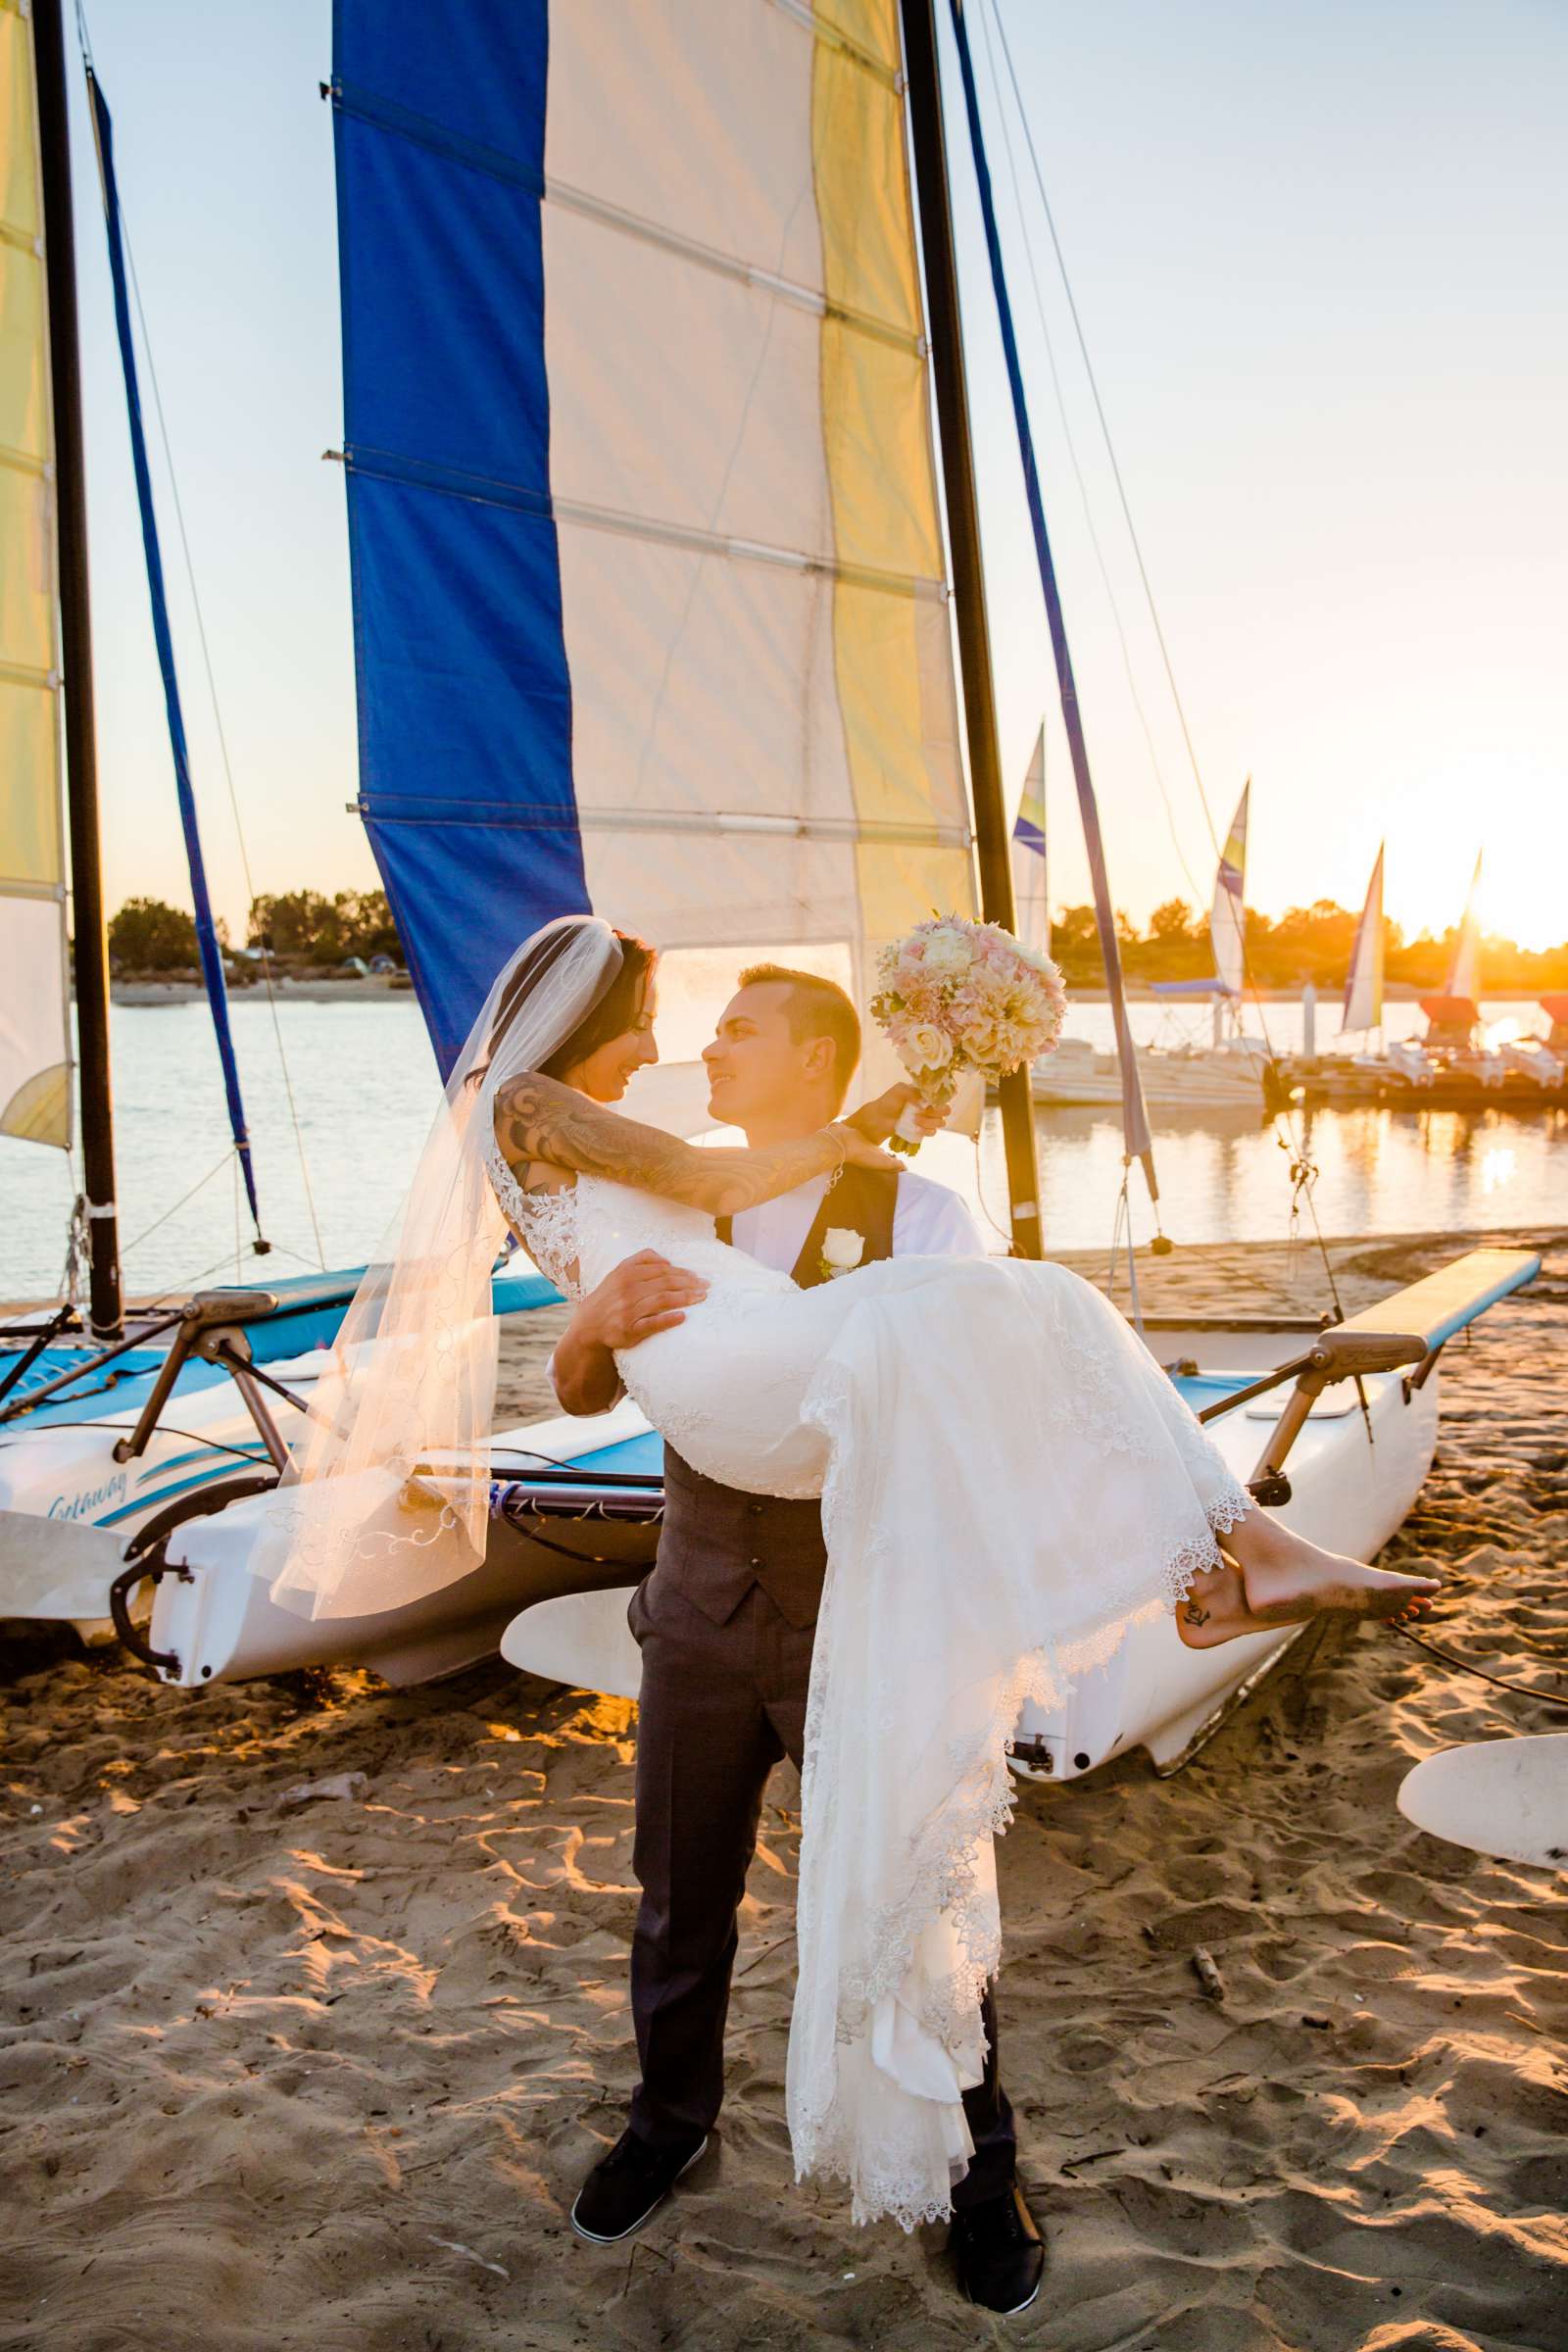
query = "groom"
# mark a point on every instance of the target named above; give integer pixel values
(725, 1625)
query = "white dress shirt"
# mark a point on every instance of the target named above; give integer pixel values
(930, 1220)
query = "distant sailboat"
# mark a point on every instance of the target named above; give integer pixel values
(1363, 985)
(1464, 964)
(1233, 1072)
(1452, 1041)
(1227, 916)
(1029, 858)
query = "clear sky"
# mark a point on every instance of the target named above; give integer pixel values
(1319, 256)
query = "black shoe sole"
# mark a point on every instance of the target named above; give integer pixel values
(594, 2236)
(1013, 2308)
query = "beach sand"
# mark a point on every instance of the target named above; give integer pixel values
(312, 1995)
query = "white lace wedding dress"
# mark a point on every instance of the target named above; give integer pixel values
(1009, 1482)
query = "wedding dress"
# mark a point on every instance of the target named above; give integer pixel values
(1008, 1483)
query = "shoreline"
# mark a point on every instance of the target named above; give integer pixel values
(150, 993)
(161, 995)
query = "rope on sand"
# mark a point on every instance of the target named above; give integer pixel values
(1447, 1657)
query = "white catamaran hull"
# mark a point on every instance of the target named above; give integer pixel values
(63, 1481)
(1224, 1077)
(60, 1461)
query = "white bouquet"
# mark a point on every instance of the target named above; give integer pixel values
(958, 995)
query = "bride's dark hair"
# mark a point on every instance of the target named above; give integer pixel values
(615, 1013)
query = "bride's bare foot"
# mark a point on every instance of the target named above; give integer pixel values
(1294, 1581)
(1287, 1581)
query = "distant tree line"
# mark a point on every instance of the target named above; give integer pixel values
(1305, 943)
(305, 928)
(296, 927)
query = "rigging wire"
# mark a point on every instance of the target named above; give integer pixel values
(1000, 1232)
(183, 1289)
(1078, 473)
(1297, 1147)
(166, 1429)
(149, 1230)
(1110, 451)
(207, 665)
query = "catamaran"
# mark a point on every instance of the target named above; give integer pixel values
(115, 1423)
(649, 372)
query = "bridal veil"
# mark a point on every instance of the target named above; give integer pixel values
(387, 1497)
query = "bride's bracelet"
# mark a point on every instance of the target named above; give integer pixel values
(840, 1131)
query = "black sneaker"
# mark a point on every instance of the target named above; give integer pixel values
(625, 2186)
(1000, 2258)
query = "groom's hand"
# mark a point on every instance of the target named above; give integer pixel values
(645, 1294)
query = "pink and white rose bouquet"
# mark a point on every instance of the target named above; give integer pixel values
(960, 996)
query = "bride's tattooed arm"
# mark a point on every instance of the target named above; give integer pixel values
(538, 1119)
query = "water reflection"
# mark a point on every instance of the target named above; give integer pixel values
(364, 1084)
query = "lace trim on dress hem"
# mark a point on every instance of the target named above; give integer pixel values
(940, 1877)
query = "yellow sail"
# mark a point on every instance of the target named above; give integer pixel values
(35, 1003)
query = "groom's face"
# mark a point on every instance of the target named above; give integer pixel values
(756, 1065)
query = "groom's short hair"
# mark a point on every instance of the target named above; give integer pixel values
(814, 1007)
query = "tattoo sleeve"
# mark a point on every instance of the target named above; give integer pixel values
(539, 1119)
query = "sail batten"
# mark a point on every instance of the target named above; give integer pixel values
(642, 226)
(649, 586)
(635, 526)
(822, 27)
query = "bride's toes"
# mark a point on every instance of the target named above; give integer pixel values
(1313, 1583)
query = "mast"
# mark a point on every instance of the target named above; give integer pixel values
(91, 948)
(1136, 1137)
(945, 327)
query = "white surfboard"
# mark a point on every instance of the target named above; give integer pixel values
(1507, 1797)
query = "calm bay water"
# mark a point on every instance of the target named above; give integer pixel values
(364, 1091)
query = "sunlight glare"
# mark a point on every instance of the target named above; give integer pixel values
(1497, 1169)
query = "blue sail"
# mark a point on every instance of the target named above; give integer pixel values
(465, 704)
(1135, 1118)
(212, 961)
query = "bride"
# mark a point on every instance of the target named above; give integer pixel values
(1008, 1483)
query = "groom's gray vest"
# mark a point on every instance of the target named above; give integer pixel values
(717, 1541)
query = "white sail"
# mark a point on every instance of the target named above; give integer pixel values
(1464, 966)
(1030, 862)
(1363, 986)
(35, 996)
(1227, 919)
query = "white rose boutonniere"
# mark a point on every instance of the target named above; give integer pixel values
(842, 1251)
